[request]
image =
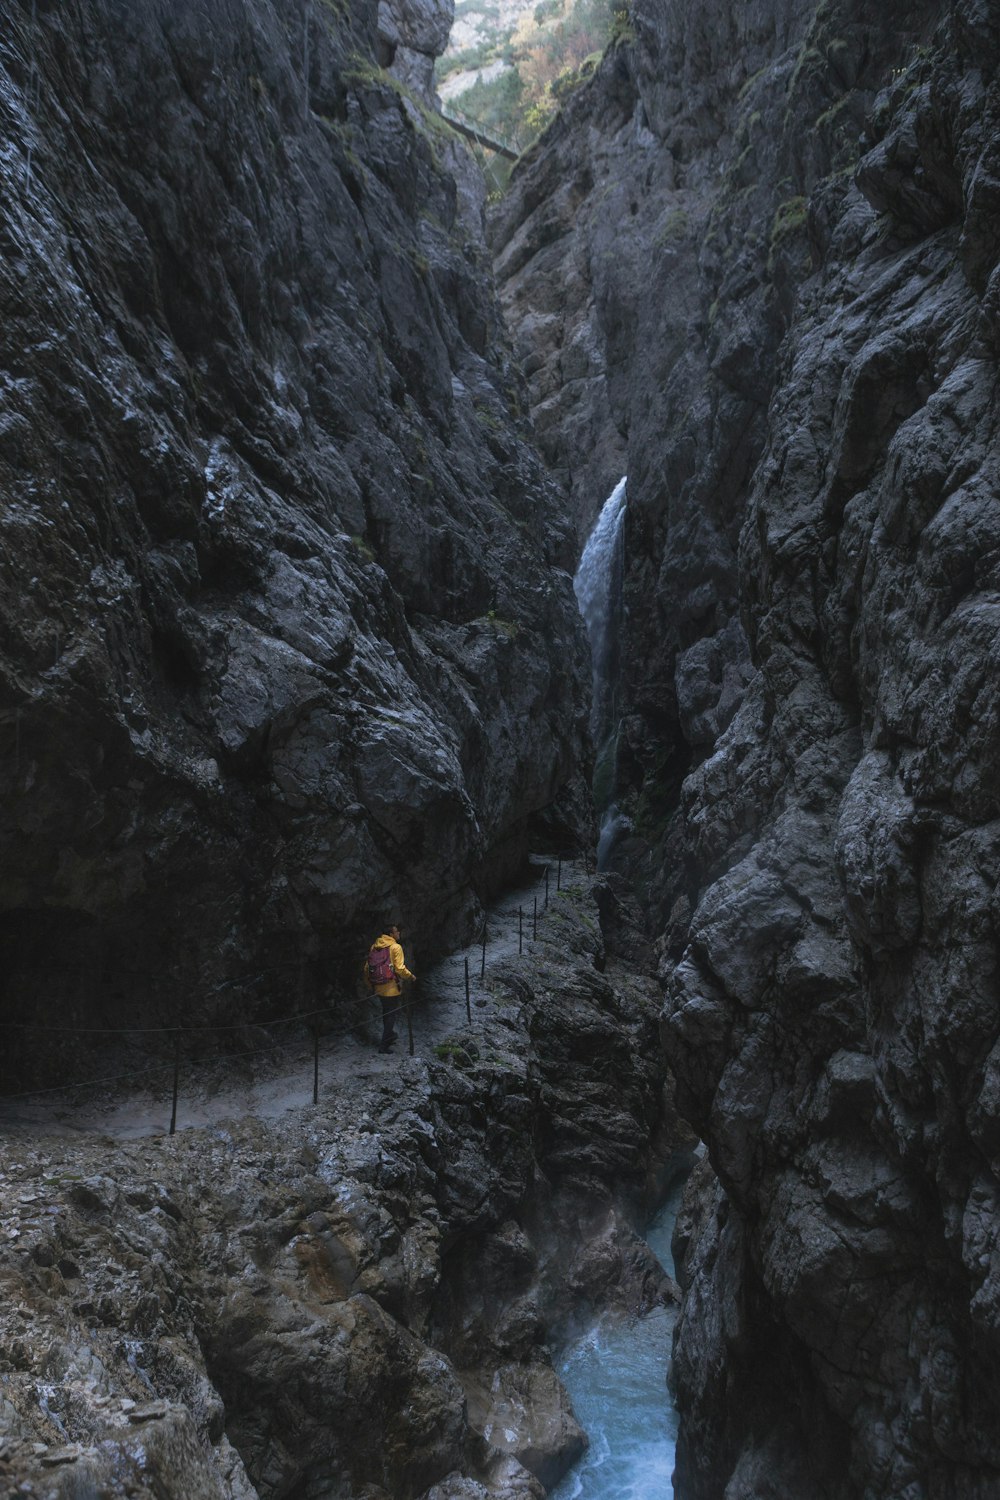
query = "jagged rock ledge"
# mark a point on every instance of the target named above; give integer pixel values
(357, 1300)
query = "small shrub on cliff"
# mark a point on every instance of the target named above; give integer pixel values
(674, 227)
(788, 217)
(462, 1054)
(622, 29)
(510, 628)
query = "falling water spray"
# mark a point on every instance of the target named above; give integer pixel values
(599, 586)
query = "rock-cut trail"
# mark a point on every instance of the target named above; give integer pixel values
(268, 1081)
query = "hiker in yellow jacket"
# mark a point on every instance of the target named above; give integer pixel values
(385, 967)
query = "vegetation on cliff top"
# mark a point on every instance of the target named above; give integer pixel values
(508, 72)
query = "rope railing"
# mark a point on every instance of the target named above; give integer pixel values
(159, 1030)
(164, 1065)
(90, 1083)
(177, 1033)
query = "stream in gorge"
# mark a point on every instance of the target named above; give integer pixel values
(616, 1375)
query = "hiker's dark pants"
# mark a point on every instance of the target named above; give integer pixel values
(390, 1010)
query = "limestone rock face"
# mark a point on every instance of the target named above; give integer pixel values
(662, 226)
(286, 638)
(812, 733)
(411, 36)
(835, 1009)
(356, 1300)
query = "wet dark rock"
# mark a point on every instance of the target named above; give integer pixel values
(805, 375)
(285, 636)
(666, 221)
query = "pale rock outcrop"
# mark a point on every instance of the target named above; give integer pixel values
(412, 35)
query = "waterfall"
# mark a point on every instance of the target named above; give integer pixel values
(598, 588)
(599, 591)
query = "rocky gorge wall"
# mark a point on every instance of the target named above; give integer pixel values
(804, 377)
(286, 637)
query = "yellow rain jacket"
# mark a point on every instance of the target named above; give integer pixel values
(398, 964)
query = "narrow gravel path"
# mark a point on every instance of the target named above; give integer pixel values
(273, 1081)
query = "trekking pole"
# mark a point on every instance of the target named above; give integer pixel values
(546, 887)
(520, 932)
(468, 1001)
(482, 972)
(409, 1023)
(315, 1064)
(177, 1069)
(534, 920)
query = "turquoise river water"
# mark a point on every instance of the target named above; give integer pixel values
(616, 1376)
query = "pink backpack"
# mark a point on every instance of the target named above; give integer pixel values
(380, 970)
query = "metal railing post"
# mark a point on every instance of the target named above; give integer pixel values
(177, 1070)
(315, 1064)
